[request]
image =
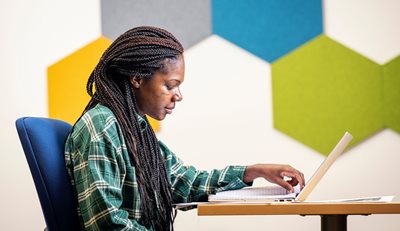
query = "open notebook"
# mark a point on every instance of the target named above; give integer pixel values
(277, 193)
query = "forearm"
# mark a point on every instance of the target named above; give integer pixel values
(192, 185)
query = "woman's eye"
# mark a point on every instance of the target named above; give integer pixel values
(169, 87)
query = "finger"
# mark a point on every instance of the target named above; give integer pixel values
(293, 181)
(295, 175)
(300, 178)
(303, 180)
(284, 184)
(288, 174)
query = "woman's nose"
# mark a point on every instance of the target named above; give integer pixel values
(178, 96)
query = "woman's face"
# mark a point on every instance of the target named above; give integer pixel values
(157, 96)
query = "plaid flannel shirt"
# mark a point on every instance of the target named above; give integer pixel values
(105, 183)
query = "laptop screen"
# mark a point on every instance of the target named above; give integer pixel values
(323, 168)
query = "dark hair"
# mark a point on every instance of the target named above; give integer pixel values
(139, 52)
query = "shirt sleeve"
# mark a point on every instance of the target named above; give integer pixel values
(99, 171)
(191, 185)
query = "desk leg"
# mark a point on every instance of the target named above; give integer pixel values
(333, 222)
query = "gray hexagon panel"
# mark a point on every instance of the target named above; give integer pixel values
(188, 20)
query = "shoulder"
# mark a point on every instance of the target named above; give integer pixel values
(168, 155)
(165, 151)
(99, 115)
(96, 123)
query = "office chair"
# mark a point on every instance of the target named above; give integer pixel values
(43, 140)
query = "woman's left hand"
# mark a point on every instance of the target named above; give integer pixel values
(275, 173)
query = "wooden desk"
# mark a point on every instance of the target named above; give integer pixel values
(333, 215)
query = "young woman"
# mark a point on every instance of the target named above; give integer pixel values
(123, 177)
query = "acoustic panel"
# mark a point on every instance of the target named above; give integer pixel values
(391, 89)
(188, 20)
(323, 89)
(268, 29)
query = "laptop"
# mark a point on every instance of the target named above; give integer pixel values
(277, 193)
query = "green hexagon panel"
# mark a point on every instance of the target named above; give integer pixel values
(391, 99)
(323, 89)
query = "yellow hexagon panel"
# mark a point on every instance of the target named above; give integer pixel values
(67, 79)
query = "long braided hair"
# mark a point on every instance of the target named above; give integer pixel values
(139, 52)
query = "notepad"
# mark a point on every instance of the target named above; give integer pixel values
(265, 193)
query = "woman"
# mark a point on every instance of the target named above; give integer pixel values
(123, 177)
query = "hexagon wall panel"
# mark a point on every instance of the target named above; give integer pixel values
(391, 88)
(268, 29)
(67, 82)
(322, 90)
(369, 27)
(188, 20)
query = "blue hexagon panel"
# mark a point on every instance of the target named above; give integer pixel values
(267, 28)
(188, 20)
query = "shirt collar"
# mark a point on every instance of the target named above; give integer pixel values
(142, 122)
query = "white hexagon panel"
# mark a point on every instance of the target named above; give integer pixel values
(369, 27)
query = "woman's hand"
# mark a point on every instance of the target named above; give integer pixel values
(275, 173)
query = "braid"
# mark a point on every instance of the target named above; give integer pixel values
(139, 52)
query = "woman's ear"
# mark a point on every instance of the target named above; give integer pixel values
(136, 82)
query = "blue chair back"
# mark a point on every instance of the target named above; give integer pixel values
(43, 140)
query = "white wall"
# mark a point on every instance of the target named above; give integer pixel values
(225, 117)
(34, 34)
(369, 27)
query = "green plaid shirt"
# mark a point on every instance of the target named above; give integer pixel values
(105, 183)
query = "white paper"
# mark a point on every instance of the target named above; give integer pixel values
(378, 199)
(254, 193)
